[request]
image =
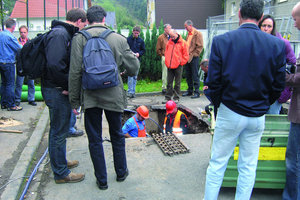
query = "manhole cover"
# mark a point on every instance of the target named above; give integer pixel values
(142, 101)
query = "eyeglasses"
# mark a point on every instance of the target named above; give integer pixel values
(266, 25)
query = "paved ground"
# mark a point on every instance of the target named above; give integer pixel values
(152, 174)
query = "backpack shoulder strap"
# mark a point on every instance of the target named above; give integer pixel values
(105, 33)
(86, 34)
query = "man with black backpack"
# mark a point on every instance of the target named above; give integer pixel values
(108, 96)
(55, 92)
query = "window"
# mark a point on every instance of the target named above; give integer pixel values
(233, 8)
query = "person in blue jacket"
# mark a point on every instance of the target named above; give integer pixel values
(137, 46)
(244, 79)
(135, 126)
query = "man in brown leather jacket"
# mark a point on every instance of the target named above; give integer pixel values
(160, 50)
(195, 45)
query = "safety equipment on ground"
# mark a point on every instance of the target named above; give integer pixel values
(170, 106)
(143, 111)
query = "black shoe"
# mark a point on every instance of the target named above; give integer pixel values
(164, 91)
(195, 96)
(17, 103)
(102, 186)
(33, 103)
(76, 134)
(187, 94)
(4, 107)
(122, 178)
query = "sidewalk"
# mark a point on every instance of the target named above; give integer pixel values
(18, 150)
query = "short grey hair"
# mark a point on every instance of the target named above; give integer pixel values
(188, 22)
(166, 25)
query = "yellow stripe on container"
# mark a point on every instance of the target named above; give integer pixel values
(266, 153)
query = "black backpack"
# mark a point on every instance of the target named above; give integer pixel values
(99, 66)
(31, 59)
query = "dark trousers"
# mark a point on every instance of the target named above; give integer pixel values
(174, 74)
(93, 127)
(59, 111)
(192, 77)
(292, 184)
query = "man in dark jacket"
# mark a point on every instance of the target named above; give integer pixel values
(292, 185)
(244, 79)
(137, 46)
(55, 92)
(111, 100)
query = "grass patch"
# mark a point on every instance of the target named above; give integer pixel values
(143, 86)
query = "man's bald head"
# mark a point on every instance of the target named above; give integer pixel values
(296, 9)
(296, 15)
(173, 34)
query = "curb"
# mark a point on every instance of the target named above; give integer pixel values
(12, 189)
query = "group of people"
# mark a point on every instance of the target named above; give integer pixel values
(11, 87)
(176, 54)
(245, 79)
(246, 75)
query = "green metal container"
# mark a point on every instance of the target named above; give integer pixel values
(270, 172)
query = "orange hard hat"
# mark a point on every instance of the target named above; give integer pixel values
(170, 106)
(143, 111)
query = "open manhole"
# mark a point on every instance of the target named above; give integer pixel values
(158, 111)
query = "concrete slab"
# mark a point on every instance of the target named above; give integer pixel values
(152, 174)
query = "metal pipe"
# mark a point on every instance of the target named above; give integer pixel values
(45, 21)
(57, 9)
(66, 7)
(27, 15)
(33, 173)
(2, 20)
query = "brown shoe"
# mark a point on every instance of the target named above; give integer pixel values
(71, 178)
(72, 164)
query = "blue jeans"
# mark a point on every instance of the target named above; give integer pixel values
(93, 127)
(72, 123)
(59, 111)
(231, 127)
(292, 185)
(7, 71)
(131, 84)
(18, 90)
(275, 108)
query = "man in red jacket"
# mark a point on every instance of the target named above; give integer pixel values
(176, 55)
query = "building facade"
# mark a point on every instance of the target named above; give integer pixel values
(175, 12)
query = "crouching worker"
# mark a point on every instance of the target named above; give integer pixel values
(175, 120)
(135, 126)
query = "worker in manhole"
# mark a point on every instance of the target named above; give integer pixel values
(135, 126)
(175, 121)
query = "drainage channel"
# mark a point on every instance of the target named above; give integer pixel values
(170, 144)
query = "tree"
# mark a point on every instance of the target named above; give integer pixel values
(155, 64)
(145, 69)
(161, 27)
